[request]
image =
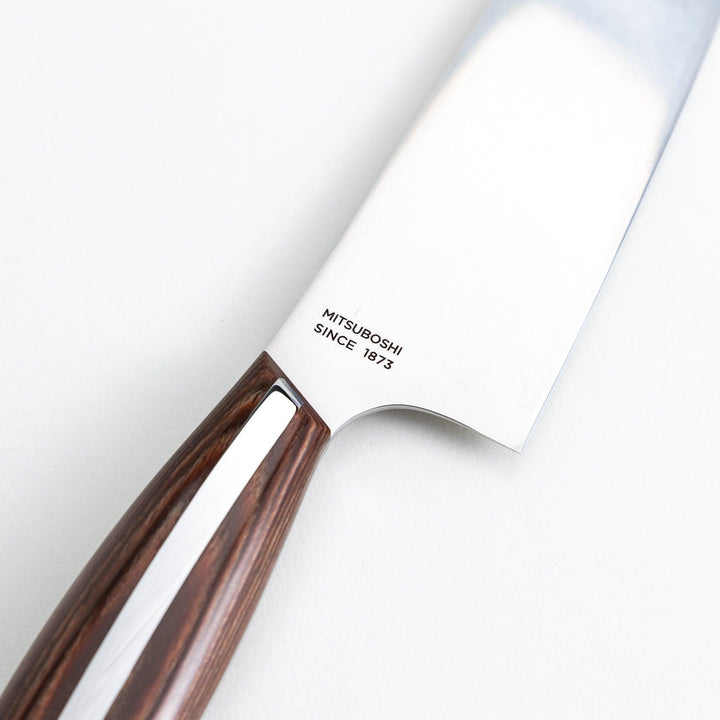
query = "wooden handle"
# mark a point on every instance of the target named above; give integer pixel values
(181, 624)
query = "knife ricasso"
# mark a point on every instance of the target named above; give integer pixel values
(193, 638)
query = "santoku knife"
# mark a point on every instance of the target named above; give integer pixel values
(458, 290)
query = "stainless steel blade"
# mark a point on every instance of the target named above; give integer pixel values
(463, 281)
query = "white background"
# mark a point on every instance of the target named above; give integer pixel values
(171, 177)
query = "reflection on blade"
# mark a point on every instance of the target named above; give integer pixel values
(484, 243)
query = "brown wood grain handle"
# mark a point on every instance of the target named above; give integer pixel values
(194, 636)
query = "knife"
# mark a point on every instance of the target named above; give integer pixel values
(573, 132)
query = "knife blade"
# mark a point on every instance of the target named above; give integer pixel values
(500, 427)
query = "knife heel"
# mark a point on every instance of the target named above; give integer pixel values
(151, 622)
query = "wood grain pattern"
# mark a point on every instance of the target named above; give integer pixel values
(186, 655)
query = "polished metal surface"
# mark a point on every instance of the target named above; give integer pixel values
(463, 281)
(151, 598)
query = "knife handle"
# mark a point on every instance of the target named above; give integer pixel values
(151, 622)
